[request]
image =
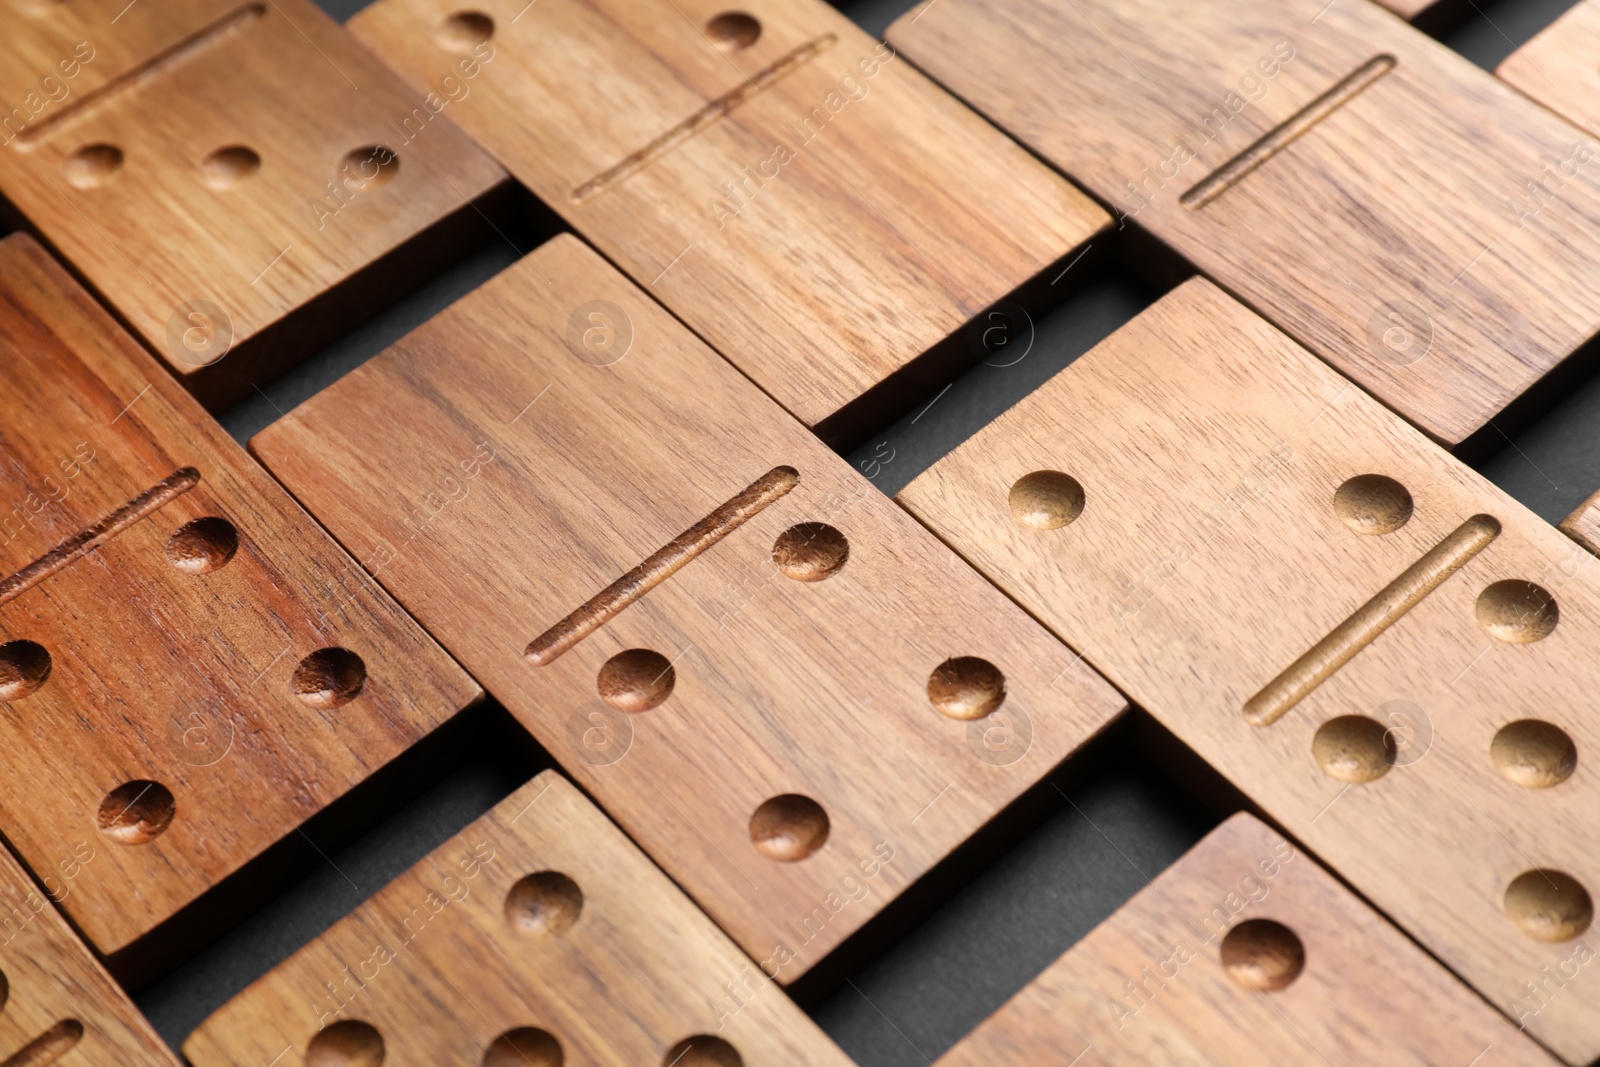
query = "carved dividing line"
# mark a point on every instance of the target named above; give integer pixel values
(1370, 620)
(713, 111)
(90, 538)
(196, 43)
(1277, 139)
(49, 1046)
(661, 565)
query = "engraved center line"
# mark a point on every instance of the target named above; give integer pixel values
(1370, 620)
(196, 43)
(90, 538)
(707, 115)
(1280, 137)
(49, 1046)
(661, 565)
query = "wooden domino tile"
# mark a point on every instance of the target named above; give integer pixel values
(189, 668)
(794, 698)
(240, 181)
(1391, 656)
(56, 1001)
(1583, 525)
(539, 935)
(1560, 68)
(1347, 176)
(1245, 952)
(803, 199)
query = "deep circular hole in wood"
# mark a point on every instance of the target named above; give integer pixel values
(1517, 611)
(526, 1046)
(1549, 905)
(1533, 753)
(1354, 749)
(636, 680)
(966, 688)
(1263, 955)
(1046, 500)
(329, 677)
(92, 166)
(347, 1043)
(228, 166)
(789, 828)
(702, 1050)
(810, 551)
(24, 667)
(733, 31)
(137, 812)
(1373, 504)
(464, 31)
(203, 545)
(546, 904)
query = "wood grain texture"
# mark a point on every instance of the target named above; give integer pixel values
(1560, 68)
(193, 161)
(1260, 542)
(165, 703)
(1583, 525)
(1350, 178)
(54, 997)
(620, 968)
(599, 462)
(810, 205)
(1155, 983)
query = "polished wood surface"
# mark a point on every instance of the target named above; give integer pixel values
(539, 935)
(794, 698)
(189, 668)
(241, 182)
(1560, 68)
(1387, 653)
(1246, 952)
(805, 201)
(1355, 181)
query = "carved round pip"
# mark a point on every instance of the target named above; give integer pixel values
(789, 828)
(226, 167)
(92, 166)
(526, 1046)
(733, 31)
(966, 688)
(464, 31)
(1517, 611)
(1533, 753)
(202, 545)
(1046, 500)
(347, 1043)
(546, 904)
(329, 677)
(24, 668)
(1549, 905)
(1354, 749)
(636, 680)
(1263, 955)
(137, 812)
(1373, 504)
(371, 166)
(702, 1050)
(810, 551)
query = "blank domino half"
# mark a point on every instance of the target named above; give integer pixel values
(234, 177)
(790, 694)
(56, 1001)
(1353, 180)
(808, 203)
(539, 935)
(1560, 68)
(1245, 953)
(189, 668)
(1391, 656)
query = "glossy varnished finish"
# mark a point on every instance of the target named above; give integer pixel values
(189, 667)
(803, 199)
(193, 161)
(541, 916)
(1246, 952)
(606, 537)
(1264, 553)
(56, 998)
(1349, 177)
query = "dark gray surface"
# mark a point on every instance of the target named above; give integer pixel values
(988, 940)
